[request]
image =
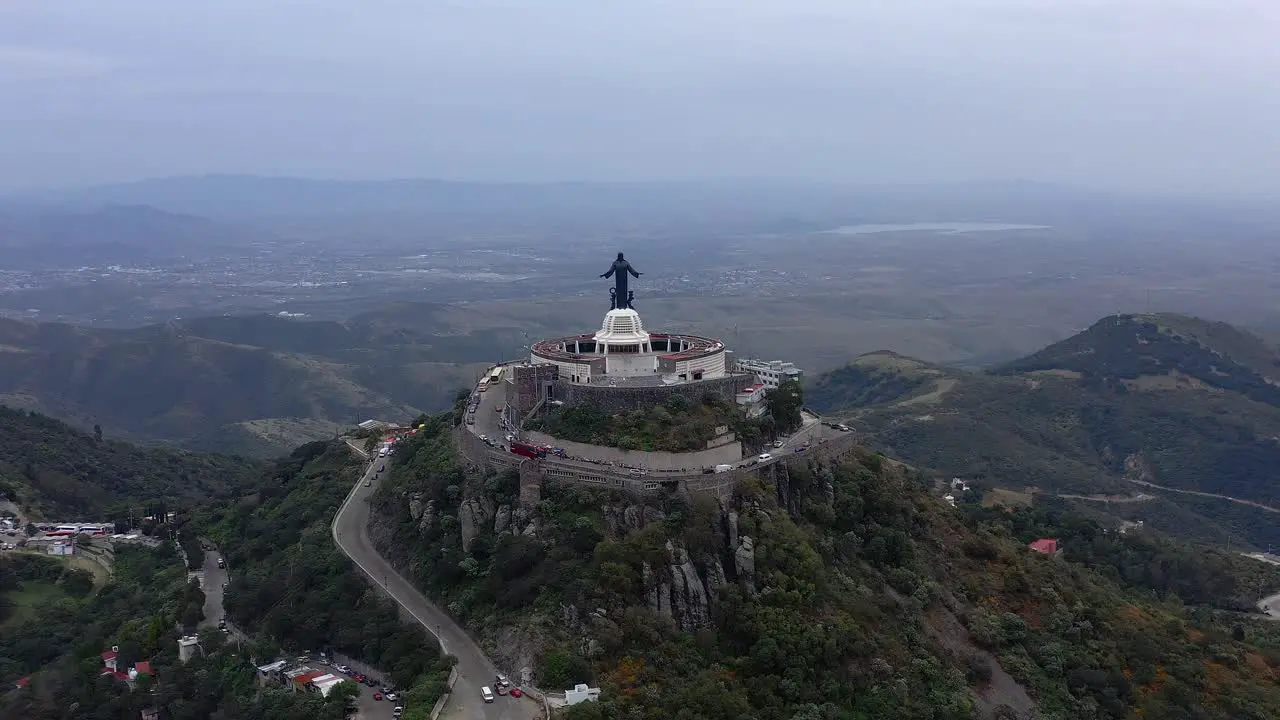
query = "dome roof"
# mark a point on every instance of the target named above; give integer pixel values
(622, 327)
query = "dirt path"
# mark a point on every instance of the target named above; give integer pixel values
(1271, 606)
(1140, 497)
(1238, 501)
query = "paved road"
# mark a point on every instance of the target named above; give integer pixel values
(212, 580)
(350, 532)
(488, 420)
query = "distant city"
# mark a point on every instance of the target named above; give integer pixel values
(329, 282)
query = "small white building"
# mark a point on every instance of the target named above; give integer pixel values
(326, 683)
(187, 647)
(771, 373)
(752, 400)
(581, 693)
(62, 547)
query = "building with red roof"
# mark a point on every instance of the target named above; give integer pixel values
(111, 666)
(1047, 546)
(300, 682)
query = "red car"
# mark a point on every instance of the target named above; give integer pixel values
(377, 696)
(516, 692)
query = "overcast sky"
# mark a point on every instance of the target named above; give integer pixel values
(1144, 94)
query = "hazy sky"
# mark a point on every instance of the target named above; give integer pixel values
(1178, 94)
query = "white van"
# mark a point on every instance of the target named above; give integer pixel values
(723, 468)
(486, 693)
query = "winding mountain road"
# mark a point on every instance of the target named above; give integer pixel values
(475, 670)
(1238, 501)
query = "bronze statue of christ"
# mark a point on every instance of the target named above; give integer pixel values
(619, 270)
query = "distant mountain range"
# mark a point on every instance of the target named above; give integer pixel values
(255, 384)
(802, 204)
(1133, 416)
(44, 237)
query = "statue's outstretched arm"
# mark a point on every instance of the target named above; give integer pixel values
(633, 272)
(608, 273)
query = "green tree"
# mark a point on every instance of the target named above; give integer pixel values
(783, 405)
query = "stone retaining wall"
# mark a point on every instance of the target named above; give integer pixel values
(626, 399)
(728, 453)
(444, 699)
(589, 475)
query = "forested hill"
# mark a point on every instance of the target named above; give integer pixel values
(1133, 404)
(844, 591)
(60, 473)
(1130, 347)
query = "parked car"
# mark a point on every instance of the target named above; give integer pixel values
(486, 694)
(377, 696)
(778, 443)
(398, 711)
(764, 456)
(517, 692)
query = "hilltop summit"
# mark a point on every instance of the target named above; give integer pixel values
(1130, 347)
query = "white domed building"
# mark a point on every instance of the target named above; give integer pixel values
(623, 353)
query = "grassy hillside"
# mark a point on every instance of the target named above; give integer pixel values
(1133, 404)
(258, 385)
(58, 472)
(847, 592)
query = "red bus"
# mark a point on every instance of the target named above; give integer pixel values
(527, 450)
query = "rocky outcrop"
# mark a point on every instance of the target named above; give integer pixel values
(428, 517)
(715, 575)
(690, 604)
(622, 519)
(474, 514)
(657, 592)
(744, 563)
(422, 512)
(502, 520)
